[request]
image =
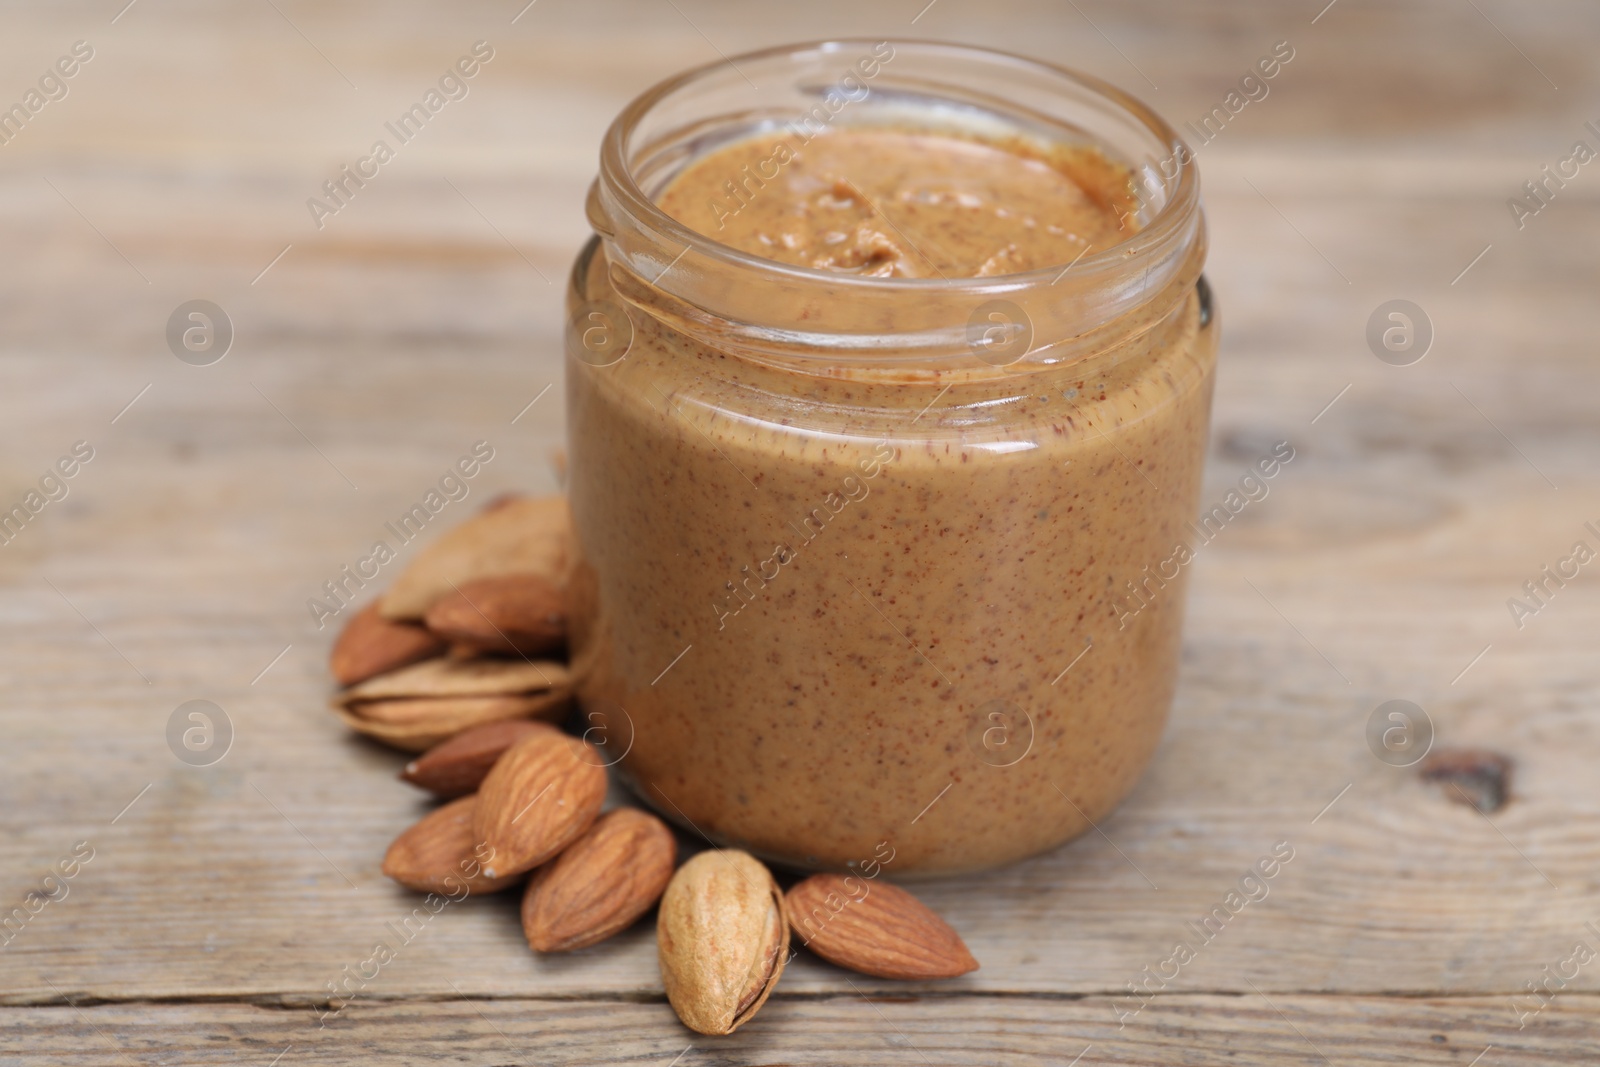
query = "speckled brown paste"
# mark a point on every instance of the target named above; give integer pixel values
(812, 592)
(901, 204)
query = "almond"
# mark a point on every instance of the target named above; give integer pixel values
(604, 880)
(419, 706)
(369, 645)
(456, 767)
(441, 712)
(441, 855)
(529, 535)
(521, 613)
(722, 936)
(455, 678)
(875, 928)
(416, 725)
(540, 795)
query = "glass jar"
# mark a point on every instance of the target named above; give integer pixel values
(881, 573)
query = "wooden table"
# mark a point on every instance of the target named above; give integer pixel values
(221, 901)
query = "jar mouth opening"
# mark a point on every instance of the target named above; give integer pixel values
(834, 322)
(1172, 176)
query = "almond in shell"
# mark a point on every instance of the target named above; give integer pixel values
(419, 706)
(540, 795)
(604, 881)
(460, 678)
(417, 725)
(722, 936)
(526, 535)
(875, 928)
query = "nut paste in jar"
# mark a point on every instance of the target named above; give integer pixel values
(883, 433)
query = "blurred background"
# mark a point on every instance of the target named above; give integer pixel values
(368, 348)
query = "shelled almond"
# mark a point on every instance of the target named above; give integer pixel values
(440, 855)
(457, 766)
(539, 796)
(371, 645)
(601, 884)
(875, 928)
(524, 614)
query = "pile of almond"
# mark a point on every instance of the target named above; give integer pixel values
(464, 660)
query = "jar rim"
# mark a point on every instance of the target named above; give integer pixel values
(833, 322)
(1173, 215)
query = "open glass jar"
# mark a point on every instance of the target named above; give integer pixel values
(883, 573)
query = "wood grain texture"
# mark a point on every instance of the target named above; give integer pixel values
(427, 315)
(1196, 1030)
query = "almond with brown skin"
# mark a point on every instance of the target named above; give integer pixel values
(722, 938)
(604, 880)
(527, 535)
(875, 928)
(441, 855)
(539, 796)
(518, 613)
(456, 767)
(369, 645)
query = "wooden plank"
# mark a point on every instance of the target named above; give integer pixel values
(1194, 1031)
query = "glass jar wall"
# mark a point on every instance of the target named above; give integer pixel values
(883, 570)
